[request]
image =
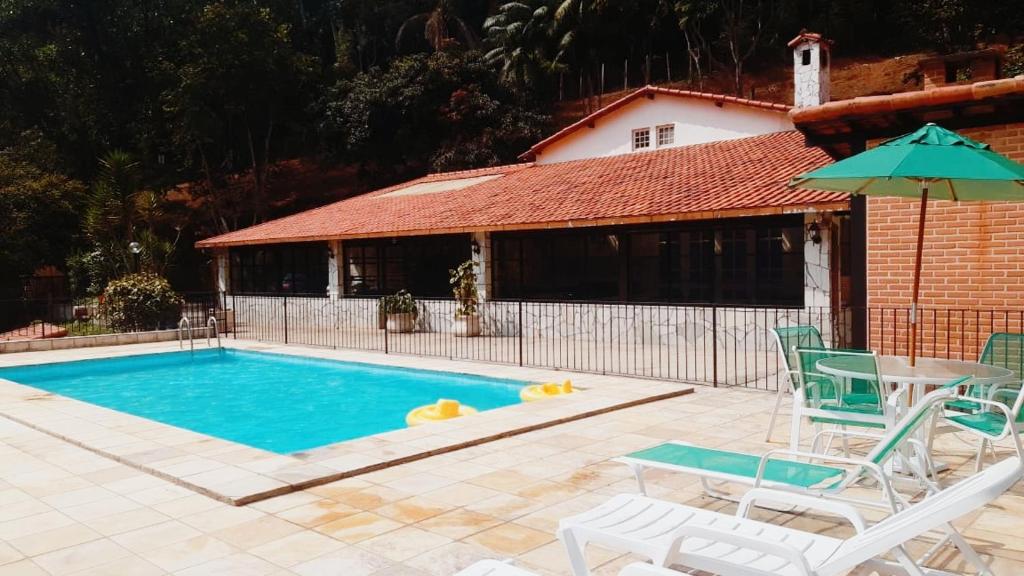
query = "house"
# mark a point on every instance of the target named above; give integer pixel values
(972, 279)
(665, 196)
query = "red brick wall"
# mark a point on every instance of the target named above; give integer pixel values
(973, 257)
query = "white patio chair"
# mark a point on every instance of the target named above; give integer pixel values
(674, 534)
(864, 401)
(804, 471)
(786, 339)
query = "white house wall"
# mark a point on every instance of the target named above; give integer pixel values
(696, 121)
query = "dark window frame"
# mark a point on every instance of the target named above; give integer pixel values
(729, 262)
(419, 264)
(285, 269)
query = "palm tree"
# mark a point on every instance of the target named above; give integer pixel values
(120, 211)
(516, 36)
(438, 25)
(575, 24)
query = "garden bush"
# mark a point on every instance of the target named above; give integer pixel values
(141, 302)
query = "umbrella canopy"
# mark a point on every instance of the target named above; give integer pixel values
(931, 162)
(953, 167)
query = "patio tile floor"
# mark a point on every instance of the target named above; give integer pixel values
(66, 511)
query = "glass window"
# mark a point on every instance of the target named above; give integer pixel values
(737, 262)
(666, 135)
(419, 264)
(280, 268)
(641, 138)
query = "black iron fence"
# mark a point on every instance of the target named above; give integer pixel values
(713, 345)
(29, 318)
(701, 344)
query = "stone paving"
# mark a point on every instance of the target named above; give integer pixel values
(238, 474)
(65, 510)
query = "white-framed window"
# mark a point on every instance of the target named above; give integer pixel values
(666, 135)
(641, 138)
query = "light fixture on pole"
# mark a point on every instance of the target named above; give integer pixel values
(135, 248)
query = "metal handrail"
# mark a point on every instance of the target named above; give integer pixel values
(184, 322)
(212, 323)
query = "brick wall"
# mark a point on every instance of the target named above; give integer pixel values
(973, 254)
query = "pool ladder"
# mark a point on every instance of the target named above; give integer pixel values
(186, 325)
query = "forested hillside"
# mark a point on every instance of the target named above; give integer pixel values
(164, 121)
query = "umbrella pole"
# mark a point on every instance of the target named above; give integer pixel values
(917, 273)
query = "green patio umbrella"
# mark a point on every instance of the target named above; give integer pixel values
(930, 163)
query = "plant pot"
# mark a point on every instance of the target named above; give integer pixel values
(467, 326)
(404, 322)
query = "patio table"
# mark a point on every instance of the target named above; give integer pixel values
(926, 372)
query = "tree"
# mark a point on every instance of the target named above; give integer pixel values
(440, 25)
(238, 84)
(40, 215)
(120, 211)
(517, 36)
(447, 110)
(693, 17)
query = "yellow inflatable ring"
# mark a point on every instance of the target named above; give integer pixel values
(547, 390)
(443, 410)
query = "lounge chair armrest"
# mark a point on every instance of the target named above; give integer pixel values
(805, 500)
(871, 467)
(777, 549)
(849, 433)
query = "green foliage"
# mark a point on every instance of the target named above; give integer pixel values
(141, 301)
(447, 110)
(399, 303)
(517, 41)
(463, 283)
(118, 212)
(40, 213)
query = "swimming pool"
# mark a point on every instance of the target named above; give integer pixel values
(276, 402)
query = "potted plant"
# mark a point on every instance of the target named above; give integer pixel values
(401, 311)
(463, 282)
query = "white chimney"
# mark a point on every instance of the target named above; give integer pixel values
(811, 62)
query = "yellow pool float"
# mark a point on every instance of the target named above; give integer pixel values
(444, 409)
(546, 390)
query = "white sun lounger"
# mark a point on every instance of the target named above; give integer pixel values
(493, 568)
(801, 471)
(674, 534)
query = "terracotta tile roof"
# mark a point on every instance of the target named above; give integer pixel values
(734, 177)
(812, 36)
(904, 101)
(646, 91)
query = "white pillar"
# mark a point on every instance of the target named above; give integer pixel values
(817, 263)
(334, 272)
(481, 261)
(222, 264)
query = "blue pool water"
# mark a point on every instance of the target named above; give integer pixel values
(275, 402)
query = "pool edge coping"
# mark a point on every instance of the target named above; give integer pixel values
(340, 475)
(243, 474)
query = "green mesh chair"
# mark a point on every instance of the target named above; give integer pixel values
(782, 468)
(981, 412)
(841, 388)
(788, 338)
(1002, 349)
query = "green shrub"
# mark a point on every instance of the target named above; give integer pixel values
(141, 302)
(400, 303)
(463, 283)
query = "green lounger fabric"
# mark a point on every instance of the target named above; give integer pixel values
(788, 472)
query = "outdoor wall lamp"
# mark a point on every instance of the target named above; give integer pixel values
(475, 246)
(814, 232)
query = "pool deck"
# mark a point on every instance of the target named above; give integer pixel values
(68, 511)
(237, 474)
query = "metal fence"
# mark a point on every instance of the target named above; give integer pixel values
(700, 344)
(713, 345)
(27, 318)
